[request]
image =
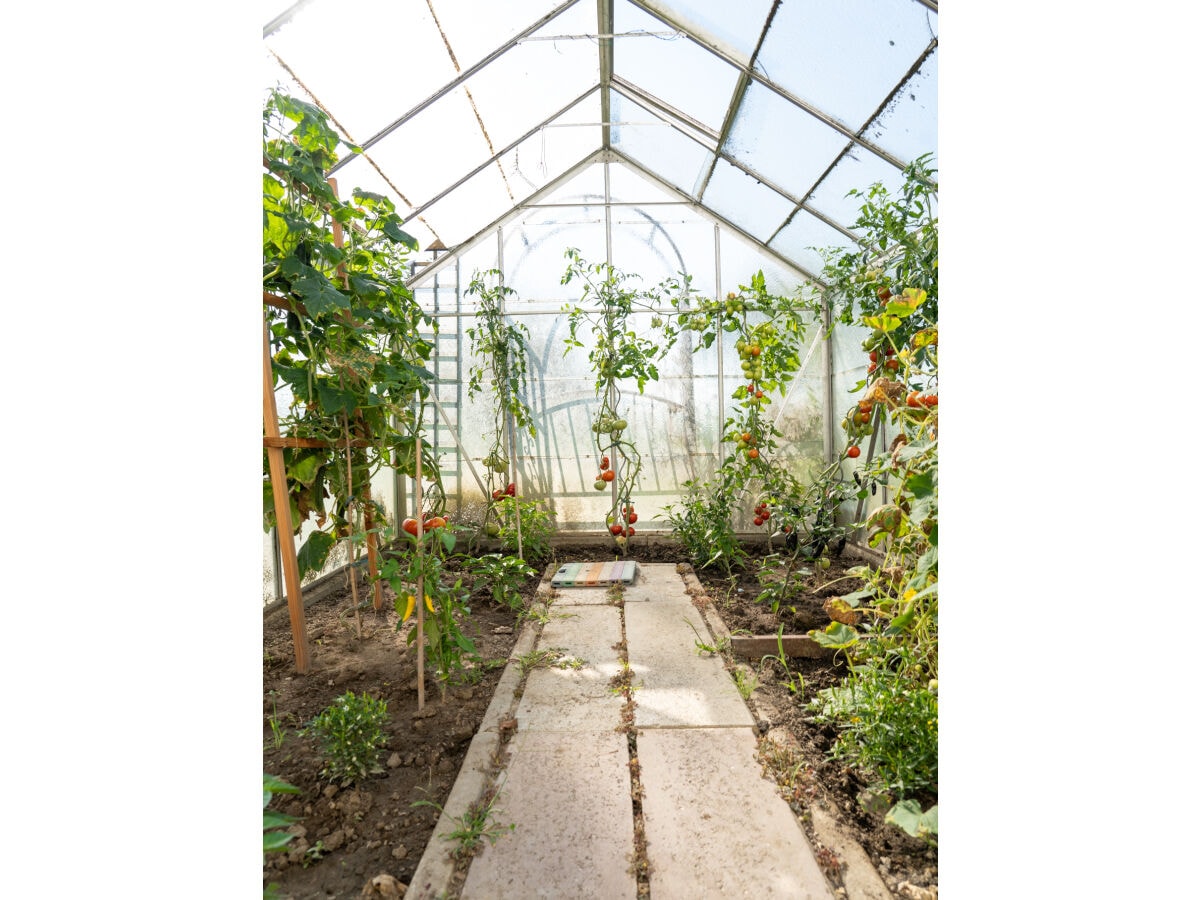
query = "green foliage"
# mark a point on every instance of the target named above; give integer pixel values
(886, 709)
(504, 575)
(888, 727)
(344, 330)
(274, 823)
(770, 334)
(907, 815)
(703, 523)
(897, 250)
(350, 731)
(445, 603)
(537, 526)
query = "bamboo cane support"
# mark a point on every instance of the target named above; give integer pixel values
(420, 588)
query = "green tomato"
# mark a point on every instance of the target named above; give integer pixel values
(619, 425)
(600, 484)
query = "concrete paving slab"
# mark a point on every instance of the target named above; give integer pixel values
(653, 582)
(581, 596)
(585, 632)
(676, 686)
(714, 826)
(569, 797)
(558, 701)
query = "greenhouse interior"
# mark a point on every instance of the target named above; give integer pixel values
(589, 321)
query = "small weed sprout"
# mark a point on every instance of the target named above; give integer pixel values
(475, 825)
(702, 647)
(747, 682)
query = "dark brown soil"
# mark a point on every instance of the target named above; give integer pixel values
(347, 836)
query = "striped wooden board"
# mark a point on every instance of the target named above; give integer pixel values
(601, 574)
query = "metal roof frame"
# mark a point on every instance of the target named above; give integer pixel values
(609, 81)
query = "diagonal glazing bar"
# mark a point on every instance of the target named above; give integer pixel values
(597, 155)
(782, 92)
(463, 76)
(800, 203)
(284, 17)
(633, 92)
(739, 94)
(483, 165)
(713, 216)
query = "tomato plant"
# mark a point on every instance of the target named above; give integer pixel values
(618, 354)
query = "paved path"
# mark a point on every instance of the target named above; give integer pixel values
(708, 822)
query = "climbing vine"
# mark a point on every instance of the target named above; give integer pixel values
(500, 350)
(618, 353)
(344, 331)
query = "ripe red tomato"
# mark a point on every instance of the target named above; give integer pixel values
(752, 453)
(410, 525)
(632, 517)
(629, 532)
(604, 462)
(496, 495)
(435, 522)
(853, 451)
(929, 399)
(873, 356)
(758, 520)
(913, 399)
(616, 529)
(511, 490)
(608, 474)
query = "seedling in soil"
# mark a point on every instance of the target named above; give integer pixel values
(795, 683)
(277, 732)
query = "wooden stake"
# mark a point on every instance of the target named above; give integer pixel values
(283, 513)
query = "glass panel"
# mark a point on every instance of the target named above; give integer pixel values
(321, 37)
(747, 203)
(534, 254)
(416, 157)
(781, 141)
(799, 237)
(857, 170)
(586, 185)
(908, 127)
(740, 260)
(675, 69)
(661, 149)
(733, 27)
(476, 29)
(476, 203)
(844, 58)
(517, 91)
(553, 150)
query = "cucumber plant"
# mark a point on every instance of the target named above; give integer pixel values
(344, 331)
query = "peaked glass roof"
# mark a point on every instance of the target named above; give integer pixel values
(759, 115)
